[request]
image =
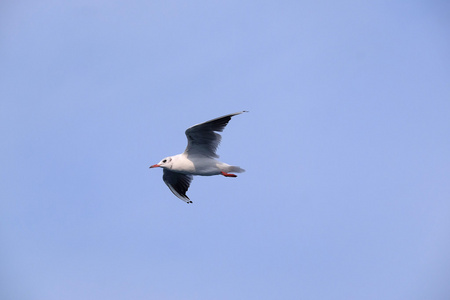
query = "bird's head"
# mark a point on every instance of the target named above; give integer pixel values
(164, 163)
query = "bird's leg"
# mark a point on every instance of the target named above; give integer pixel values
(227, 174)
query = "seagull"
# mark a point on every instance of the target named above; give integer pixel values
(199, 158)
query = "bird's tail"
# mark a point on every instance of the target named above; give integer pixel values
(235, 169)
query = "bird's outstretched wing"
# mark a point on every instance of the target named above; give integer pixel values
(202, 138)
(178, 183)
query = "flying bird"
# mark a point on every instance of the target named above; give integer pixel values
(199, 158)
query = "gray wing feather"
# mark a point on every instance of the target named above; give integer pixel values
(202, 138)
(178, 183)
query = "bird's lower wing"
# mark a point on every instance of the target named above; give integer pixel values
(178, 183)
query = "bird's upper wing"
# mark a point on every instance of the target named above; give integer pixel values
(178, 183)
(202, 140)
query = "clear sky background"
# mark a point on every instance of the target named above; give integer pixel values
(346, 147)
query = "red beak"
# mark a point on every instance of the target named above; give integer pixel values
(154, 166)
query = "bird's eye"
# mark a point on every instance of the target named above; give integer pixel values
(164, 160)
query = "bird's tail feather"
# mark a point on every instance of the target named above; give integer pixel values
(235, 169)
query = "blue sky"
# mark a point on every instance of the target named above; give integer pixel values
(346, 147)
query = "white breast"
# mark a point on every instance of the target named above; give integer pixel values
(195, 165)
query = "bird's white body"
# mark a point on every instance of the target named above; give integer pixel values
(199, 165)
